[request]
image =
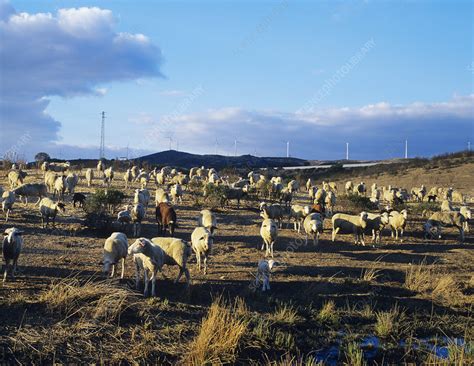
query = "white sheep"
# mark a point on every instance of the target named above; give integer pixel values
(15, 178)
(115, 249)
(298, 213)
(138, 214)
(269, 234)
(161, 196)
(149, 258)
(466, 212)
(208, 220)
(264, 270)
(89, 176)
(108, 176)
(143, 177)
(293, 186)
(330, 203)
(201, 243)
(350, 224)
(309, 184)
(11, 248)
(419, 193)
(397, 222)
(127, 177)
(445, 219)
(100, 167)
(71, 182)
(142, 196)
(349, 187)
(446, 206)
(313, 226)
(177, 253)
(8, 199)
(59, 186)
(177, 193)
(31, 190)
(49, 209)
(375, 224)
(360, 189)
(274, 212)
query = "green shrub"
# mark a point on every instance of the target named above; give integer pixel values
(360, 203)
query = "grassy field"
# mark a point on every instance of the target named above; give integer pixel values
(408, 302)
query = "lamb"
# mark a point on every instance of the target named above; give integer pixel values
(375, 225)
(138, 214)
(127, 177)
(177, 253)
(31, 190)
(466, 212)
(100, 167)
(177, 193)
(350, 224)
(349, 187)
(208, 220)
(161, 196)
(274, 212)
(330, 203)
(71, 182)
(313, 226)
(8, 199)
(49, 209)
(115, 249)
(264, 270)
(49, 179)
(293, 186)
(201, 243)
(360, 189)
(15, 178)
(419, 193)
(149, 258)
(166, 218)
(309, 184)
(398, 221)
(59, 186)
(445, 219)
(78, 198)
(108, 176)
(89, 176)
(11, 248)
(269, 234)
(298, 214)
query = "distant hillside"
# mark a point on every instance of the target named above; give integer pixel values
(187, 160)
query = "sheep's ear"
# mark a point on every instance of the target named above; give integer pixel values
(101, 263)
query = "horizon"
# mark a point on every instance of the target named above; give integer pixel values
(196, 77)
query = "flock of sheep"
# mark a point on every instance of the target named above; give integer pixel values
(150, 255)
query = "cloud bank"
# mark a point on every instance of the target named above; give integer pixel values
(65, 54)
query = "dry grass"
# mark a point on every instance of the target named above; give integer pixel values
(387, 322)
(99, 300)
(290, 360)
(354, 355)
(285, 314)
(219, 335)
(419, 278)
(448, 290)
(370, 274)
(329, 313)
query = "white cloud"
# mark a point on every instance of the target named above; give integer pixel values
(73, 52)
(173, 93)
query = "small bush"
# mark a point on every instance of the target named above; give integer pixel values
(360, 203)
(215, 195)
(419, 278)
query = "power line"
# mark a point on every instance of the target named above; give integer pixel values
(102, 137)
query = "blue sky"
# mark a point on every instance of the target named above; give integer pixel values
(212, 72)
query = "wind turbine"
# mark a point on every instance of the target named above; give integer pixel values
(216, 145)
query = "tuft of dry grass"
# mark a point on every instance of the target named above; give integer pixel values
(419, 278)
(448, 290)
(286, 314)
(289, 360)
(354, 355)
(370, 274)
(329, 313)
(387, 322)
(219, 335)
(98, 300)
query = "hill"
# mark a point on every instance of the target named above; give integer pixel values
(187, 160)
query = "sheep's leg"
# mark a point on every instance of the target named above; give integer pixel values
(179, 275)
(198, 260)
(137, 276)
(316, 239)
(205, 264)
(188, 277)
(271, 249)
(396, 234)
(123, 268)
(334, 233)
(37, 202)
(146, 281)
(6, 215)
(113, 270)
(263, 245)
(306, 240)
(461, 234)
(5, 273)
(362, 239)
(153, 284)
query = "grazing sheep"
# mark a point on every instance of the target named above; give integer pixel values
(127, 177)
(49, 179)
(177, 252)
(333, 187)
(59, 186)
(15, 178)
(285, 197)
(49, 209)
(71, 182)
(349, 187)
(44, 167)
(264, 270)
(208, 220)
(398, 221)
(360, 189)
(298, 214)
(100, 167)
(375, 225)
(274, 212)
(446, 206)
(142, 196)
(166, 218)
(419, 193)
(293, 186)
(11, 248)
(177, 193)
(201, 243)
(8, 199)
(143, 178)
(149, 258)
(235, 194)
(312, 193)
(31, 190)
(269, 234)
(466, 212)
(350, 224)
(108, 176)
(161, 196)
(115, 249)
(309, 184)
(457, 197)
(134, 172)
(124, 216)
(446, 219)
(330, 203)
(78, 198)
(138, 214)
(313, 226)
(89, 176)
(320, 196)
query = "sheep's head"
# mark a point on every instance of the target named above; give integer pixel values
(363, 216)
(61, 206)
(404, 213)
(206, 239)
(384, 218)
(262, 205)
(271, 263)
(11, 233)
(138, 246)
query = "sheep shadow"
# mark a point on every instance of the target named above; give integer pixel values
(401, 258)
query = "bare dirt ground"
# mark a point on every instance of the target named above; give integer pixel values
(323, 300)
